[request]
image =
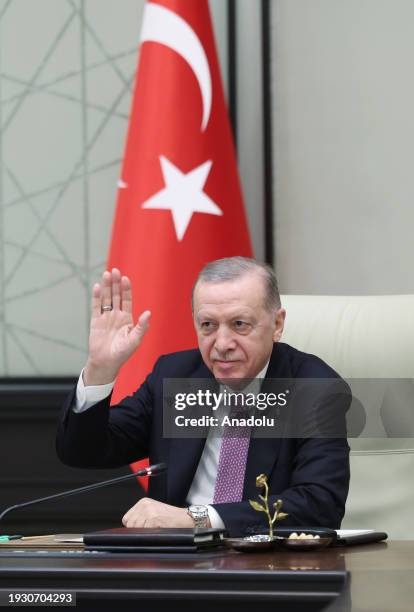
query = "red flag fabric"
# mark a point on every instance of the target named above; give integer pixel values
(179, 201)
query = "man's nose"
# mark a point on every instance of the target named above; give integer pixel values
(224, 340)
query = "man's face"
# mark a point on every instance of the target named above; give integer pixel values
(235, 332)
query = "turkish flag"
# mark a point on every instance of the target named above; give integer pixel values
(179, 201)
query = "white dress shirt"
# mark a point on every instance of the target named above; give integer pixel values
(202, 487)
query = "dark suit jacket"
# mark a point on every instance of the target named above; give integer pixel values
(311, 475)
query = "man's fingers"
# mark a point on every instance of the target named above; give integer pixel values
(135, 516)
(116, 289)
(96, 300)
(126, 295)
(133, 521)
(144, 319)
(134, 510)
(106, 289)
(141, 327)
(127, 516)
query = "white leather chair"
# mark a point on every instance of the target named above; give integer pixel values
(367, 337)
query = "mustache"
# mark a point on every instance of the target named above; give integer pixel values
(228, 356)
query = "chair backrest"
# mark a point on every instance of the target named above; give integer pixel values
(366, 337)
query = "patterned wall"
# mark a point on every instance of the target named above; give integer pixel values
(67, 67)
(66, 73)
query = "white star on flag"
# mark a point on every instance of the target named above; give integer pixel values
(183, 194)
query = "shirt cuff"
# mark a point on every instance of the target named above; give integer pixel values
(86, 397)
(215, 518)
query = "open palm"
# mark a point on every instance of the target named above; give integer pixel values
(113, 336)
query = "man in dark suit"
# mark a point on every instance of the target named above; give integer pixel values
(239, 322)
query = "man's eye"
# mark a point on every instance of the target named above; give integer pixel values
(241, 326)
(206, 326)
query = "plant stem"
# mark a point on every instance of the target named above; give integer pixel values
(269, 518)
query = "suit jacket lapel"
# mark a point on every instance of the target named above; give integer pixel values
(263, 452)
(184, 455)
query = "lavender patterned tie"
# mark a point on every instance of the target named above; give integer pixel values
(232, 464)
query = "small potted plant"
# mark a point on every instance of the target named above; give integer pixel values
(261, 481)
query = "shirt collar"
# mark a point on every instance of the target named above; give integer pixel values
(253, 386)
(262, 373)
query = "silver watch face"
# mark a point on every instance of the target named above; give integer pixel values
(198, 509)
(199, 514)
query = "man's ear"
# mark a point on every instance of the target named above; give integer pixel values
(279, 324)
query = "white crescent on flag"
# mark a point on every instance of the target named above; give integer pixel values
(183, 193)
(163, 26)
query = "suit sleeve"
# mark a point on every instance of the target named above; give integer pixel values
(319, 477)
(107, 436)
(316, 495)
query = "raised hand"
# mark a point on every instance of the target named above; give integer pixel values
(113, 336)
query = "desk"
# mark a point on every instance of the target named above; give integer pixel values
(377, 578)
(381, 577)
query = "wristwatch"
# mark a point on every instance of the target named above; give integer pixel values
(199, 514)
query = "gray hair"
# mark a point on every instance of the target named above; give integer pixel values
(232, 268)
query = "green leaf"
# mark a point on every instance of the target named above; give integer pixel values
(256, 506)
